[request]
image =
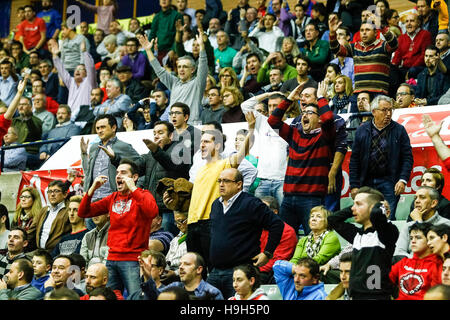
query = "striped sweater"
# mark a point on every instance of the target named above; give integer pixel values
(310, 155)
(371, 63)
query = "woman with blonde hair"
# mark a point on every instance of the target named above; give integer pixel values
(343, 89)
(228, 78)
(232, 99)
(210, 83)
(290, 49)
(27, 208)
(321, 244)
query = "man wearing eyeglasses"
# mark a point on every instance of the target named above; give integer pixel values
(206, 188)
(381, 154)
(237, 221)
(310, 154)
(189, 84)
(52, 222)
(405, 96)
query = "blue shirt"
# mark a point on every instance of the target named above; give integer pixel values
(38, 283)
(8, 89)
(117, 107)
(347, 68)
(201, 290)
(52, 20)
(285, 280)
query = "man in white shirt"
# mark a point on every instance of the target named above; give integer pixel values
(271, 148)
(267, 39)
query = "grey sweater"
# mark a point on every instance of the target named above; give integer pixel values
(71, 54)
(190, 92)
(25, 292)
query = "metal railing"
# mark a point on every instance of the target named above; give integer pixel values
(27, 144)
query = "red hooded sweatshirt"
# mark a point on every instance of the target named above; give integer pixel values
(131, 218)
(415, 276)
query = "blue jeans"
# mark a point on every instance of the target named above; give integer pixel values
(123, 274)
(387, 188)
(295, 210)
(272, 188)
(222, 279)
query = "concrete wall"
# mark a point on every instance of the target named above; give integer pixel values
(9, 185)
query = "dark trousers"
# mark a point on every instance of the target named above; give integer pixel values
(333, 200)
(295, 210)
(198, 240)
(222, 279)
(387, 188)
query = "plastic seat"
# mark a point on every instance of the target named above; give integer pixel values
(404, 206)
(346, 202)
(272, 291)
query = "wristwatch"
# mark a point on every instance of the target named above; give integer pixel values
(268, 254)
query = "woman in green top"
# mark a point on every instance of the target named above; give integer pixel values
(321, 244)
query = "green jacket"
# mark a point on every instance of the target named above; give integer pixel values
(26, 292)
(319, 53)
(330, 247)
(264, 72)
(29, 130)
(163, 27)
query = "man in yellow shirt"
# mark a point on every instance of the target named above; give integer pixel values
(206, 188)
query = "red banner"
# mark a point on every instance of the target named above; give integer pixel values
(424, 158)
(41, 179)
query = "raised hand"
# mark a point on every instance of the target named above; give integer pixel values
(130, 183)
(333, 24)
(143, 40)
(22, 84)
(251, 120)
(108, 150)
(295, 94)
(53, 47)
(322, 89)
(199, 39)
(84, 145)
(99, 181)
(151, 145)
(431, 128)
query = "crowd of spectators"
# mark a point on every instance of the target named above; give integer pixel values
(189, 220)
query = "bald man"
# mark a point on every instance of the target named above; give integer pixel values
(409, 56)
(237, 221)
(96, 277)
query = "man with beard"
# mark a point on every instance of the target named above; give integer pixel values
(431, 83)
(97, 277)
(17, 283)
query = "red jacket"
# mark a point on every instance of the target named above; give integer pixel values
(412, 52)
(117, 292)
(285, 248)
(131, 218)
(52, 105)
(415, 276)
